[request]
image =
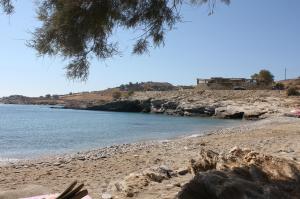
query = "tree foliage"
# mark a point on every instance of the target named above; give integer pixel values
(82, 29)
(279, 86)
(264, 77)
(7, 6)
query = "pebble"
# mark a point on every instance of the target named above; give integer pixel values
(56, 164)
(81, 158)
(182, 171)
(106, 196)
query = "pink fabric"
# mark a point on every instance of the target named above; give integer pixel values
(296, 112)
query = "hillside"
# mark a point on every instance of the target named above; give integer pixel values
(291, 83)
(90, 98)
(148, 86)
(156, 97)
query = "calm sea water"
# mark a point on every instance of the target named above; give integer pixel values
(30, 131)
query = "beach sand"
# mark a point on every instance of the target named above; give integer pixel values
(277, 136)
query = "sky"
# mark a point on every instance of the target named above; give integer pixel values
(237, 41)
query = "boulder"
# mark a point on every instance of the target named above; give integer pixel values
(158, 174)
(157, 104)
(196, 110)
(254, 115)
(228, 113)
(242, 173)
(170, 105)
(129, 186)
(106, 196)
(135, 182)
(182, 171)
(207, 160)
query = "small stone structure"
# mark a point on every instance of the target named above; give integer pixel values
(220, 83)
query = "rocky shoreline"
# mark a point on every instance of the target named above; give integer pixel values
(226, 104)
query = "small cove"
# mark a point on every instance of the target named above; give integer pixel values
(28, 131)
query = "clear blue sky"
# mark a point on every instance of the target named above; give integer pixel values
(237, 41)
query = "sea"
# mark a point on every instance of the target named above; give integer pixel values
(31, 131)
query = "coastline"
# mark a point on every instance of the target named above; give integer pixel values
(160, 127)
(124, 147)
(225, 104)
(278, 136)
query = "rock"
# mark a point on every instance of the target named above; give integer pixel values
(129, 194)
(207, 161)
(236, 151)
(196, 110)
(156, 106)
(134, 182)
(124, 106)
(130, 185)
(215, 184)
(170, 105)
(182, 171)
(82, 158)
(158, 174)
(106, 196)
(186, 113)
(228, 113)
(242, 173)
(253, 115)
(56, 164)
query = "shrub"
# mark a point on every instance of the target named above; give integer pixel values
(130, 93)
(278, 86)
(292, 91)
(116, 95)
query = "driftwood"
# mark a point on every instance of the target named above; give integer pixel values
(73, 192)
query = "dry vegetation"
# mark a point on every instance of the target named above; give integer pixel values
(291, 83)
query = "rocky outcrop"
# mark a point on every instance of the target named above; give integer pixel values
(154, 106)
(228, 113)
(250, 105)
(225, 104)
(242, 174)
(254, 115)
(177, 108)
(123, 106)
(16, 99)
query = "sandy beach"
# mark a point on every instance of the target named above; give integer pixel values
(277, 136)
(194, 99)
